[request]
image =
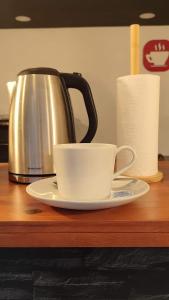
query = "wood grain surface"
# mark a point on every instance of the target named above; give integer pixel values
(25, 222)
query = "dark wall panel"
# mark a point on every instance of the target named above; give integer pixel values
(84, 273)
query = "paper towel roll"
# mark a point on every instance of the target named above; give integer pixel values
(137, 121)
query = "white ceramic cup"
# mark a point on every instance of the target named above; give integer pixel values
(85, 171)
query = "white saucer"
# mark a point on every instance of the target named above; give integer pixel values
(124, 190)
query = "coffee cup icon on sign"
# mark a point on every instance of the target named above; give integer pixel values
(156, 55)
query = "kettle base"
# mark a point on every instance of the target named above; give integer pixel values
(26, 179)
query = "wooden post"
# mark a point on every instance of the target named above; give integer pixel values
(134, 49)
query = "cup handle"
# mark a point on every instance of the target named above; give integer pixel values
(116, 174)
(149, 58)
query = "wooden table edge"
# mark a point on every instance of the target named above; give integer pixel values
(92, 227)
(123, 240)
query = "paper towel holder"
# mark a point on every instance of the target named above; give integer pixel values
(134, 68)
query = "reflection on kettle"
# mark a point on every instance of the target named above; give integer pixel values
(11, 85)
(41, 115)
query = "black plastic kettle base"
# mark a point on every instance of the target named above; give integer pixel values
(26, 179)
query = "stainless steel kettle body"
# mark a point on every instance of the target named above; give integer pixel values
(40, 116)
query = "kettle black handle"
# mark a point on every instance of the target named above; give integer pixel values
(76, 81)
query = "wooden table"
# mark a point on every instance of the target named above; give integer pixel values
(25, 222)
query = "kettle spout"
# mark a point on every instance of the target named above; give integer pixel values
(11, 88)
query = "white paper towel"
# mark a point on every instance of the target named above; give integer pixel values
(137, 121)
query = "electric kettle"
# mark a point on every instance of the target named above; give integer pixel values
(41, 116)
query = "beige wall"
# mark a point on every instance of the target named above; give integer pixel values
(100, 54)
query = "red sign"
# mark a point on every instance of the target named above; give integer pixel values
(156, 55)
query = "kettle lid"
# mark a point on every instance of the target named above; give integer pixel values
(41, 70)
